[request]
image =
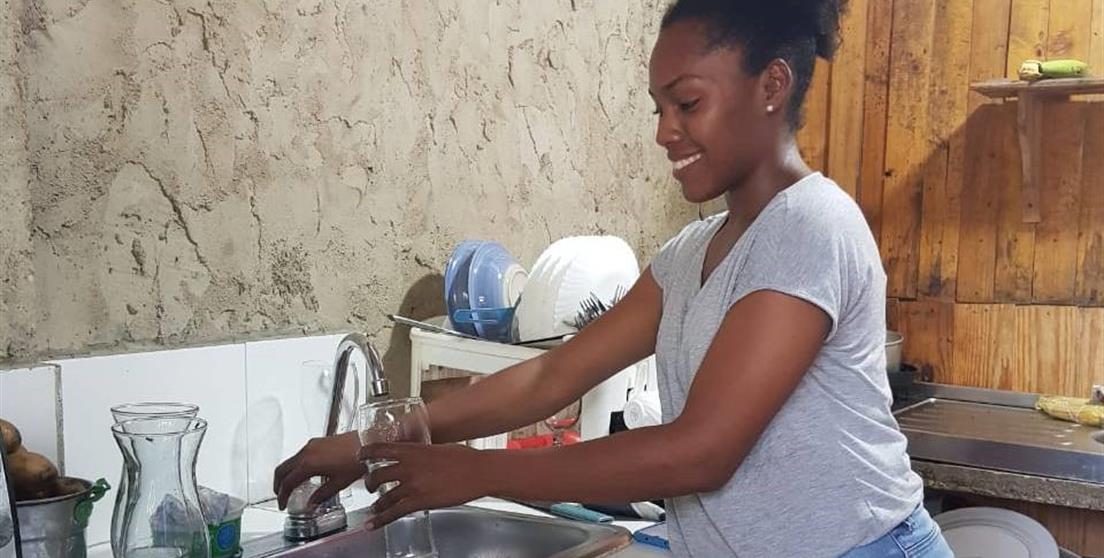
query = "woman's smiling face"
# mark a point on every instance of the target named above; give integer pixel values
(713, 116)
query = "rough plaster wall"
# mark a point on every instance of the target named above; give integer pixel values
(186, 172)
(16, 255)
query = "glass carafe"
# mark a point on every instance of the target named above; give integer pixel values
(161, 516)
(128, 411)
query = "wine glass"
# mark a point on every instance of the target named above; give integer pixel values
(393, 420)
(562, 421)
(399, 420)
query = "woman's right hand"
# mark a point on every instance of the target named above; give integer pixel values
(335, 458)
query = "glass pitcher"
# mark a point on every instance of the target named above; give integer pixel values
(161, 516)
(128, 411)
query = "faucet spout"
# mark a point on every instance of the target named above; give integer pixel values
(377, 382)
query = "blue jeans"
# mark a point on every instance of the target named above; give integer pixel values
(918, 536)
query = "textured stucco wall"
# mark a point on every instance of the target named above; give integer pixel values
(185, 172)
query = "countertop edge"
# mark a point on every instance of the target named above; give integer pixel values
(1010, 486)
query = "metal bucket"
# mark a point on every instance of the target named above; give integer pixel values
(893, 351)
(54, 527)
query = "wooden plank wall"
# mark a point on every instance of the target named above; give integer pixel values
(983, 298)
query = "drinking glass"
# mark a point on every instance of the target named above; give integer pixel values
(399, 420)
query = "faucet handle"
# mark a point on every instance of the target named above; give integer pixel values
(304, 523)
(298, 501)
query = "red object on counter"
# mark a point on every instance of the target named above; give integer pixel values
(542, 441)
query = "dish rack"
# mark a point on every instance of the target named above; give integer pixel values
(438, 356)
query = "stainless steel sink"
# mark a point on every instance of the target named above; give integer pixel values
(462, 532)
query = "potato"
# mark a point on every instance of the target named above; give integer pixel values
(33, 475)
(12, 438)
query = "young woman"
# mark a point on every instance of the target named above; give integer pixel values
(767, 322)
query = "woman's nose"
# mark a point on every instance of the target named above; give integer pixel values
(667, 131)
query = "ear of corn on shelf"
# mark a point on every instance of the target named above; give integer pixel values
(1034, 70)
(1072, 409)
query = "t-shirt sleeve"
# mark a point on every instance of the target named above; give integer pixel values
(667, 261)
(802, 256)
(661, 263)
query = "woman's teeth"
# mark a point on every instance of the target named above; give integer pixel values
(683, 163)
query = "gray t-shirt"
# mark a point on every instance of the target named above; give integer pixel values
(830, 472)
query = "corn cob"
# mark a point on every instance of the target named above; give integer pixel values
(1071, 409)
(1032, 70)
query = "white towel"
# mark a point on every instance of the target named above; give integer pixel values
(643, 410)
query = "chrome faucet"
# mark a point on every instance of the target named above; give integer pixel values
(330, 515)
(377, 382)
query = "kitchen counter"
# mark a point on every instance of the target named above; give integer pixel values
(988, 469)
(1010, 486)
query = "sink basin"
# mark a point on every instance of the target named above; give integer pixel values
(463, 532)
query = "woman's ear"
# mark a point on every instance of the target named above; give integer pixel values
(777, 83)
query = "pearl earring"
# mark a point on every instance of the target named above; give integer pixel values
(770, 108)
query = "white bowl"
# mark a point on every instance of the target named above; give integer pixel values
(567, 273)
(531, 309)
(602, 267)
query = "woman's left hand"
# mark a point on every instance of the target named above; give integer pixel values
(429, 477)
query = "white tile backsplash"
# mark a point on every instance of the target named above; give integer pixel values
(261, 404)
(211, 377)
(28, 399)
(288, 401)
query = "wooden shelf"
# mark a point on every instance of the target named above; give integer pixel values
(1005, 88)
(1029, 124)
